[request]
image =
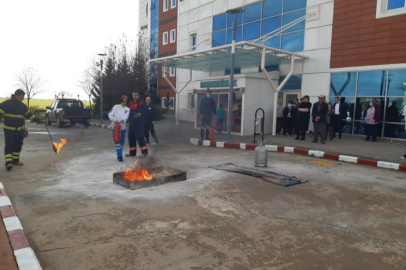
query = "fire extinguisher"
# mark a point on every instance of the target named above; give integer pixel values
(117, 133)
(211, 133)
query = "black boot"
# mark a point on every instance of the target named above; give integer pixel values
(303, 138)
(201, 134)
(207, 134)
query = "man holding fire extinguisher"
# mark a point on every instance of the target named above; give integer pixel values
(136, 127)
(118, 116)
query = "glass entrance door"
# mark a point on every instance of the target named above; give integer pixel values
(290, 96)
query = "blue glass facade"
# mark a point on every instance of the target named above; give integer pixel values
(260, 19)
(153, 85)
(386, 87)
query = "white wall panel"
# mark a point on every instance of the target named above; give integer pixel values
(326, 16)
(206, 11)
(316, 84)
(319, 61)
(219, 6)
(318, 38)
(193, 15)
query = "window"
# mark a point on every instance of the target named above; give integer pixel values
(386, 87)
(191, 103)
(165, 38)
(252, 13)
(395, 4)
(252, 31)
(193, 42)
(293, 42)
(219, 38)
(173, 3)
(288, 18)
(343, 84)
(294, 82)
(238, 36)
(387, 8)
(371, 83)
(291, 5)
(163, 72)
(173, 36)
(172, 71)
(166, 5)
(219, 22)
(262, 18)
(271, 8)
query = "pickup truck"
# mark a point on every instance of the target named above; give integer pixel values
(70, 111)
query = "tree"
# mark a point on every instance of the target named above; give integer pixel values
(30, 82)
(87, 84)
(126, 69)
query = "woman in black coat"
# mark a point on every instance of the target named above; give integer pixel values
(303, 118)
(289, 115)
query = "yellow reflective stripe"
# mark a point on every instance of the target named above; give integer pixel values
(9, 159)
(13, 115)
(13, 128)
(8, 155)
(2, 112)
(16, 154)
(32, 117)
(27, 113)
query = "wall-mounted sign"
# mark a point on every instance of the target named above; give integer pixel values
(144, 27)
(217, 84)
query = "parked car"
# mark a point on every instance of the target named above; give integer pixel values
(67, 111)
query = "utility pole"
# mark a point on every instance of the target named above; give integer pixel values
(232, 12)
(101, 87)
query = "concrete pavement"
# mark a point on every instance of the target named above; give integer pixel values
(384, 149)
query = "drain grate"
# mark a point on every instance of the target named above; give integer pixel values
(271, 177)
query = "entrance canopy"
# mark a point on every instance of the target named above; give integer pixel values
(247, 55)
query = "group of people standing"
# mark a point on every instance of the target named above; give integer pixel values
(327, 118)
(140, 117)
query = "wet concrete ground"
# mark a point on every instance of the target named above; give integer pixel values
(346, 217)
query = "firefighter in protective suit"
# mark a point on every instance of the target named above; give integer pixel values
(136, 127)
(14, 111)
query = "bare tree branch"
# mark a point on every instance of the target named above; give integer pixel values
(87, 84)
(30, 82)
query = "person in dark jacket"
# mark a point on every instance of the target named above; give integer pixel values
(136, 130)
(392, 114)
(372, 117)
(319, 114)
(340, 115)
(14, 111)
(207, 110)
(289, 115)
(150, 117)
(303, 118)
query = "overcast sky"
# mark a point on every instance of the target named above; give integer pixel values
(59, 38)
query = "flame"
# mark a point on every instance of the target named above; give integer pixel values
(137, 173)
(58, 146)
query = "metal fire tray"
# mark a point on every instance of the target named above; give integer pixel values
(160, 176)
(271, 177)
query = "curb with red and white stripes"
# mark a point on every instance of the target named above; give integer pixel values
(24, 255)
(302, 151)
(100, 126)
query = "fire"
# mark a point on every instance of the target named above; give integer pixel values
(58, 146)
(137, 173)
